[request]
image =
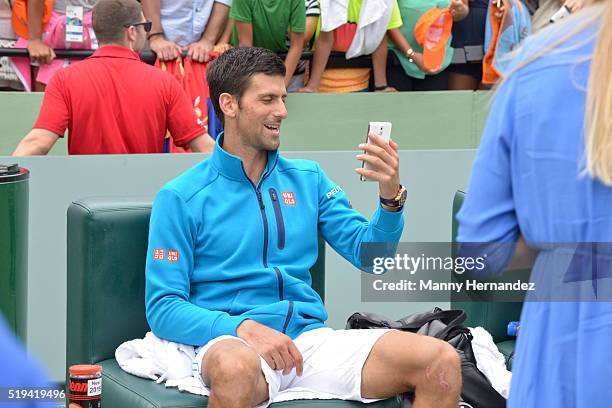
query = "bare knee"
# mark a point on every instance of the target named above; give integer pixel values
(443, 372)
(237, 364)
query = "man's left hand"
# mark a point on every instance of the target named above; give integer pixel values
(200, 50)
(383, 158)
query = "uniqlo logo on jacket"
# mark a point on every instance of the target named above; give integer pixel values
(173, 256)
(170, 255)
(159, 254)
(288, 198)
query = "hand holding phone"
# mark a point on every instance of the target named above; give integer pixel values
(382, 130)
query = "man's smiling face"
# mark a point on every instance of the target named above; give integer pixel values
(261, 112)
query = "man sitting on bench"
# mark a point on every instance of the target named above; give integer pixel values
(230, 247)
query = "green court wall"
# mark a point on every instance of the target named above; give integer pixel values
(421, 120)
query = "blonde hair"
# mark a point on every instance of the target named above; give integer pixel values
(598, 117)
(598, 112)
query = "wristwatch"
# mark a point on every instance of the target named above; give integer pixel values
(397, 201)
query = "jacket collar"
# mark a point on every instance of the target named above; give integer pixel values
(231, 166)
(115, 51)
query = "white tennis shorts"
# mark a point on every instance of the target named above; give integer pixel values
(333, 360)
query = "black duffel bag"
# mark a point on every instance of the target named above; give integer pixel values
(445, 325)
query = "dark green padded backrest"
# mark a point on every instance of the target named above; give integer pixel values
(493, 316)
(107, 245)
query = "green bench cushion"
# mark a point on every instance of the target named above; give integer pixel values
(123, 390)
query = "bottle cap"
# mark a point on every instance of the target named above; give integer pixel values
(85, 369)
(513, 328)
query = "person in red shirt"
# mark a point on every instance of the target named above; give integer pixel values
(112, 102)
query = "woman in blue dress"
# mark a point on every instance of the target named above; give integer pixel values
(543, 176)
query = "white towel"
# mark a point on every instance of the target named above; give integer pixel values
(374, 18)
(170, 363)
(156, 359)
(334, 13)
(490, 361)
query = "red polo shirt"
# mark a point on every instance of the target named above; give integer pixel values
(112, 102)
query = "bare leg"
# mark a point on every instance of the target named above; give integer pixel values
(232, 371)
(462, 82)
(379, 66)
(36, 86)
(426, 365)
(323, 48)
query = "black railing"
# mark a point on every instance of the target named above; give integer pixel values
(336, 59)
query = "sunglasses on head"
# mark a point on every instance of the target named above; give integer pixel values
(145, 24)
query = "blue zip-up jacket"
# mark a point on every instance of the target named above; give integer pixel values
(223, 249)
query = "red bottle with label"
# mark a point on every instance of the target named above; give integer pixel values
(85, 386)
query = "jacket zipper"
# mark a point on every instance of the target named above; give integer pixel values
(279, 275)
(289, 313)
(262, 208)
(278, 214)
(281, 296)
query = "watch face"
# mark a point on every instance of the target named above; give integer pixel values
(402, 196)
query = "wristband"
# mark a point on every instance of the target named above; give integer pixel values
(154, 34)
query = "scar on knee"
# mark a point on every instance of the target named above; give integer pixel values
(439, 377)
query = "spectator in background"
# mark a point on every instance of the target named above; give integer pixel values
(547, 8)
(8, 78)
(468, 35)
(405, 75)
(112, 102)
(191, 25)
(349, 79)
(313, 11)
(265, 23)
(42, 40)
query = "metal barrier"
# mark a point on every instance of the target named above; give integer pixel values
(336, 59)
(146, 56)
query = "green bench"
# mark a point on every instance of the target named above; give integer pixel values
(107, 244)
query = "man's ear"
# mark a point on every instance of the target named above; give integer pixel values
(131, 34)
(228, 105)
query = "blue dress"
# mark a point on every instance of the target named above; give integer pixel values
(528, 178)
(18, 371)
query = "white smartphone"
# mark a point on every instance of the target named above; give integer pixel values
(382, 130)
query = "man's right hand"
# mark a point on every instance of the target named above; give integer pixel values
(279, 351)
(40, 52)
(165, 50)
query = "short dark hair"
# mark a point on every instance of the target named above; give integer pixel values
(111, 16)
(232, 71)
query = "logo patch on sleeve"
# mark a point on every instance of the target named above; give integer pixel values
(288, 197)
(170, 255)
(159, 254)
(173, 255)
